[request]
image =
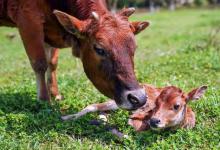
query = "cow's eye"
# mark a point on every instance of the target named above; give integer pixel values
(176, 107)
(100, 51)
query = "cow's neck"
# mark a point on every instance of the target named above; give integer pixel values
(82, 8)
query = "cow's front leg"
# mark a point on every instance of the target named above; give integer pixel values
(40, 67)
(52, 55)
(31, 31)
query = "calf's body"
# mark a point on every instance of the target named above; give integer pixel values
(166, 108)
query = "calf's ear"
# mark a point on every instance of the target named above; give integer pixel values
(138, 125)
(71, 24)
(197, 93)
(137, 27)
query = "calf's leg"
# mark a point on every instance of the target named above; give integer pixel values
(107, 106)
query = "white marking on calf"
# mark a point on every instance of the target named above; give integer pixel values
(178, 118)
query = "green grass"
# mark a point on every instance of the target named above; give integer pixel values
(180, 48)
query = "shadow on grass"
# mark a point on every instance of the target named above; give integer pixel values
(24, 114)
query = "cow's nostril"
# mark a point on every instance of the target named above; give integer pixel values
(134, 100)
(157, 121)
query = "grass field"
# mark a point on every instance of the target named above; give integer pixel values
(180, 48)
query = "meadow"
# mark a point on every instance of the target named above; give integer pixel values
(180, 48)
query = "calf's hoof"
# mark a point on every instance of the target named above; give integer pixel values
(70, 117)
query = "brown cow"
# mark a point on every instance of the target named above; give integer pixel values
(102, 40)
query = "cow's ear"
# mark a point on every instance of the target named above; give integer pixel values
(126, 12)
(197, 93)
(71, 24)
(137, 27)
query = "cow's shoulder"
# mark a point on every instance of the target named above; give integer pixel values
(18, 10)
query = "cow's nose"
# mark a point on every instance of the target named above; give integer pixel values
(137, 98)
(154, 122)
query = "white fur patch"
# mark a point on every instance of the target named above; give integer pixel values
(178, 118)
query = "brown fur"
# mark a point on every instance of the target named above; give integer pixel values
(160, 106)
(74, 25)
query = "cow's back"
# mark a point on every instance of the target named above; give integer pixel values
(4, 19)
(2, 8)
(5, 5)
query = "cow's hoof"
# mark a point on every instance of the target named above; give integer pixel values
(59, 98)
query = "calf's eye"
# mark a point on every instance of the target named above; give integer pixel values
(176, 107)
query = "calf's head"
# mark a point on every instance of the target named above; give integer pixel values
(171, 107)
(106, 46)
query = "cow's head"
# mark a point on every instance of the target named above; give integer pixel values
(171, 106)
(106, 47)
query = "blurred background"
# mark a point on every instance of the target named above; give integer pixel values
(156, 5)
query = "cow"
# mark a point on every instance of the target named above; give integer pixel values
(104, 42)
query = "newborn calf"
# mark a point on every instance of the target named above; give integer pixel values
(166, 108)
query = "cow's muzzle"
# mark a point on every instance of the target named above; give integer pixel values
(133, 99)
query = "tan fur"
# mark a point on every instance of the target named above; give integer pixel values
(160, 104)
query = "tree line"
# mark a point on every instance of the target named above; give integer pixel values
(152, 5)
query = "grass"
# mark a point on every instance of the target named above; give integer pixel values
(180, 48)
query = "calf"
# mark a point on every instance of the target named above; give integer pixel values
(166, 108)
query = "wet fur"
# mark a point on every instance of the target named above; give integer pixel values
(139, 119)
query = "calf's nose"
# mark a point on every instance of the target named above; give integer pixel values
(154, 122)
(137, 98)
